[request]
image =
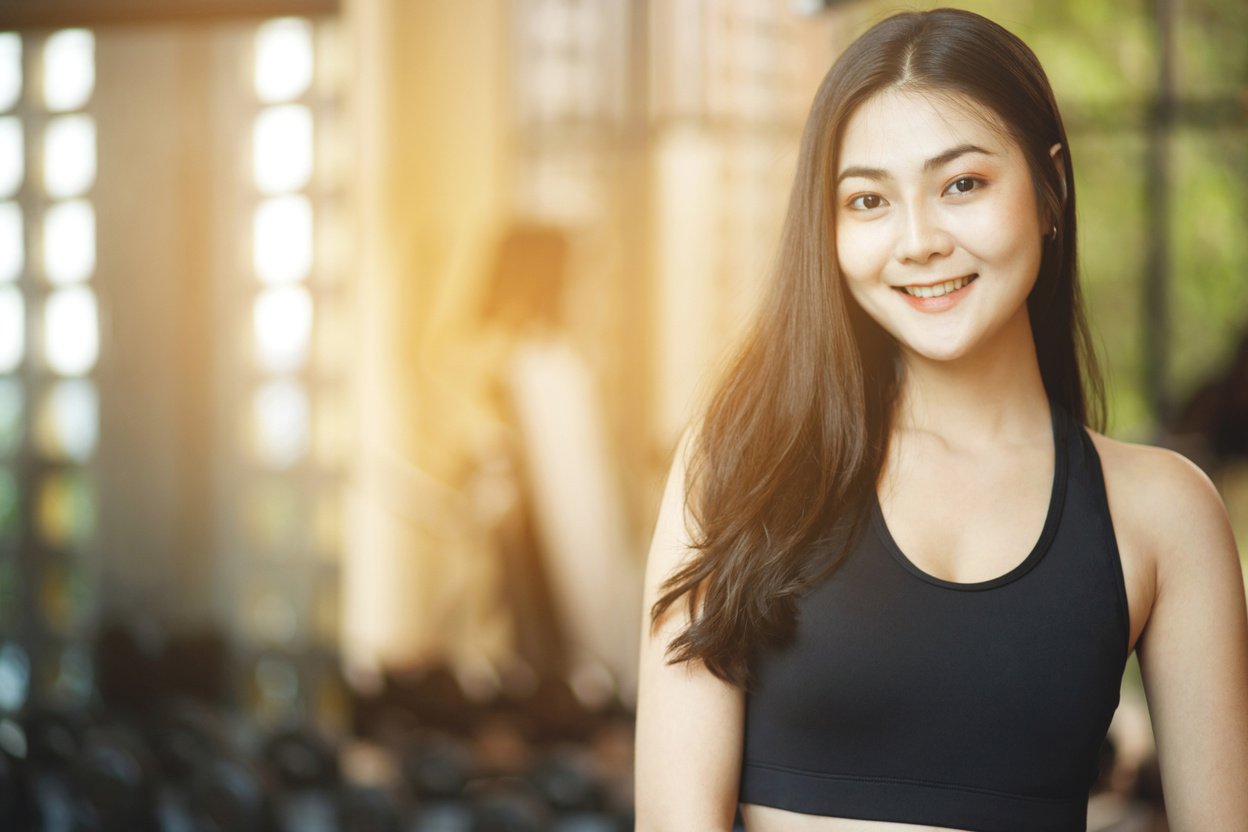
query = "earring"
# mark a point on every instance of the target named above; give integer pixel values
(1053, 232)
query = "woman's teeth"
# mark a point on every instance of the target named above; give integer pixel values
(938, 289)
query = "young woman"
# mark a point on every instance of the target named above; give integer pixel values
(895, 579)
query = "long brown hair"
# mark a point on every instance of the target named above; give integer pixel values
(788, 450)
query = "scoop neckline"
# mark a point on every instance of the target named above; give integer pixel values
(1057, 494)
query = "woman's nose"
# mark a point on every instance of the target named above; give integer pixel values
(922, 236)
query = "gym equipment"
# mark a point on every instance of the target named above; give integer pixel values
(230, 795)
(114, 782)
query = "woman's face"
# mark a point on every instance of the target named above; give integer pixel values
(937, 229)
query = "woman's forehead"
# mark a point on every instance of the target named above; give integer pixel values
(904, 129)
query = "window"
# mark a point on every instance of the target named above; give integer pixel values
(49, 353)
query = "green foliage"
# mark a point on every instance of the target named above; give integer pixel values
(1209, 233)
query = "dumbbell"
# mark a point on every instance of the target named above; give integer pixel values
(19, 809)
(590, 822)
(507, 804)
(114, 783)
(303, 764)
(361, 809)
(54, 736)
(437, 768)
(186, 735)
(300, 758)
(230, 795)
(568, 783)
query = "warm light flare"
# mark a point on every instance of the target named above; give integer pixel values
(71, 335)
(283, 59)
(69, 242)
(280, 424)
(69, 156)
(282, 239)
(12, 328)
(282, 321)
(68, 69)
(65, 509)
(12, 156)
(282, 149)
(10, 70)
(12, 242)
(67, 426)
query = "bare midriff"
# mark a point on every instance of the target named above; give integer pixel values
(768, 819)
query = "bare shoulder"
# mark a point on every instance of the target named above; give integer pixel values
(1167, 513)
(1159, 492)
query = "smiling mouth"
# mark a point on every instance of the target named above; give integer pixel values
(937, 289)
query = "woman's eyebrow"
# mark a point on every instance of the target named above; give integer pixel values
(931, 164)
(951, 154)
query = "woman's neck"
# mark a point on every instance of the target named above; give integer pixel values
(991, 395)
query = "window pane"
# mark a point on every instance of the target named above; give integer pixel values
(67, 425)
(10, 70)
(12, 156)
(1211, 49)
(10, 504)
(15, 675)
(12, 242)
(282, 239)
(65, 597)
(75, 672)
(12, 328)
(65, 509)
(1113, 207)
(12, 403)
(12, 604)
(69, 241)
(282, 149)
(282, 321)
(283, 59)
(69, 156)
(1210, 295)
(68, 69)
(71, 337)
(280, 424)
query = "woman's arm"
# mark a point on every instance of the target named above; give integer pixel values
(689, 722)
(1194, 649)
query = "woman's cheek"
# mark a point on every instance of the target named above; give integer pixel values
(862, 252)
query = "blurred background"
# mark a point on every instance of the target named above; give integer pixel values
(344, 345)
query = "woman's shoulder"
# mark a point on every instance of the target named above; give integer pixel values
(1160, 498)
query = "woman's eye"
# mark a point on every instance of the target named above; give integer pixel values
(866, 202)
(964, 185)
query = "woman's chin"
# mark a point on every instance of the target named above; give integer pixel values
(939, 353)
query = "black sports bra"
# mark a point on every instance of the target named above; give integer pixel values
(980, 706)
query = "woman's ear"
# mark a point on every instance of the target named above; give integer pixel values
(1059, 160)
